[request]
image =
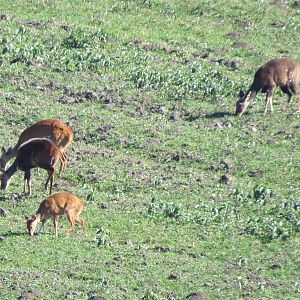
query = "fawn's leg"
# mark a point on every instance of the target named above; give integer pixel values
(55, 223)
(82, 223)
(42, 226)
(72, 222)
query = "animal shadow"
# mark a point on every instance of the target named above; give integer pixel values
(11, 234)
(219, 114)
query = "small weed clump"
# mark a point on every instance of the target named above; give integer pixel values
(102, 236)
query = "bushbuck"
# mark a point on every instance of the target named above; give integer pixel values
(55, 130)
(42, 153)
(53, 206)
(282, 72)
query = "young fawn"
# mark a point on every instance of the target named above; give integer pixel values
(282, 72)
(55, 130)
(34, 153)
(53, 206)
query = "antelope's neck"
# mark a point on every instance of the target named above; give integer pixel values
(12, 152)
(12, 169)
(38, 217)
(251, 94)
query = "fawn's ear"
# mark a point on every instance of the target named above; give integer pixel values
(241, 94)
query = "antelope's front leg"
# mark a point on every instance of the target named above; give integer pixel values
(41, 227)
(269, 99)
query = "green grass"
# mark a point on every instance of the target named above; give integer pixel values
(150, 92)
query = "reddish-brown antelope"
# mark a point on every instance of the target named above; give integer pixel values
(55, 130)
(54, 206)
(41, 153)
(282, 72)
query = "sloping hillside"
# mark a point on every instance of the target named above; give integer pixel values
(180, 195)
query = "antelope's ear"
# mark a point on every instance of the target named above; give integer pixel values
(26, 218)
(241, 94)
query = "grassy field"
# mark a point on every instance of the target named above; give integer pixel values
(180, 195)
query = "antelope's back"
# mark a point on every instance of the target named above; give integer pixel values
(276, 71)
(37, 152)
(53, 129)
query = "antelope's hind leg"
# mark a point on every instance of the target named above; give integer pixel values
(296, 90)
(64, 162)
(287, 91)
(50, 178)
(27, 179)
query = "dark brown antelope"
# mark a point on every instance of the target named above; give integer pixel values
(41, 153)
(54, 206)
(55, 130)
(282, 72)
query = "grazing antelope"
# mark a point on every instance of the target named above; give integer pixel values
(41, 153)
(55, 205)
(55, 130)
(282, 72)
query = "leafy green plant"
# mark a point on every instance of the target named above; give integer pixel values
(78, 38)
(151, 296)
(166, 210)
(91, 196)
(262, 194)
(172, 210)
(102, 236)
(277, 221)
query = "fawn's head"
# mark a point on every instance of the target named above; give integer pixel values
(31, 224)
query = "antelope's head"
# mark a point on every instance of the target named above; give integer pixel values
(5, 157)
(242, 103)
(4, 180)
